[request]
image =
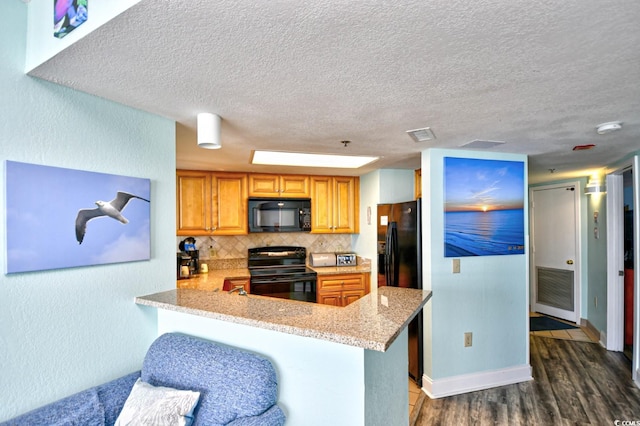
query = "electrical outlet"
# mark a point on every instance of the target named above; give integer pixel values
(468, 339)
(456, 266)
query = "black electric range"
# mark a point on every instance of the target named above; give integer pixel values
(280, 271)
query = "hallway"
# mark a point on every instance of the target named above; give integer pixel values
(574, 383)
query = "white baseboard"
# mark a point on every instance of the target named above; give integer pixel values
(476, 381)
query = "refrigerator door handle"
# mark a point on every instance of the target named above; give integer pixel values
(387, 257)
(392, 250)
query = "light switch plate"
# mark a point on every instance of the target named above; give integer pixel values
(456, 266)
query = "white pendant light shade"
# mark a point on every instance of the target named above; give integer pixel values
(209, 131)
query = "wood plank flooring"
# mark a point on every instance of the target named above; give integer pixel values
(574, 383)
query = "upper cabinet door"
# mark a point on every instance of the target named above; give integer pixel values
(286, 186)
(295, 186)
(211, 203)
(229, 205)
(335, 204)
(346, 201)
(321, 204)
(193, 202)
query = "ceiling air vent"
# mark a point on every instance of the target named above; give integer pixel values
(480, 144)
(421, 135)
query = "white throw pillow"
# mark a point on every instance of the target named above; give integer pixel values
(158, 406)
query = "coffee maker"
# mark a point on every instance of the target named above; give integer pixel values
(188, 258)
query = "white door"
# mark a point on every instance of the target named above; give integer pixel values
(555, 272)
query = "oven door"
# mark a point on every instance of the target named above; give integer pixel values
(302, 288)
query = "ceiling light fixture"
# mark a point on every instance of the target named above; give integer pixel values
(609, 127)
(301, 159)
(421, 135)
(595, 186)
(209, 131)
(481, 144)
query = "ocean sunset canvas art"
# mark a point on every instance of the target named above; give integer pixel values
(483, 207)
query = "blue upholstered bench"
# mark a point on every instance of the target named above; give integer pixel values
(236, 387)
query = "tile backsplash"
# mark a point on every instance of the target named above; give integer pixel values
(235, 247)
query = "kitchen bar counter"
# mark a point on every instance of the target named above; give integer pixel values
(336, 270)
(213, 280)
(372, 322)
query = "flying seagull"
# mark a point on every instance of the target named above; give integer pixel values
(111, 209)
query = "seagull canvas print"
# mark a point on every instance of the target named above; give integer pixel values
(65, 218)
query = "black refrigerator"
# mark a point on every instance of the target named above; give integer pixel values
(400, 264)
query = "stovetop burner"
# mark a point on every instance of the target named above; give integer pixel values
(277, 257)
(281, 272)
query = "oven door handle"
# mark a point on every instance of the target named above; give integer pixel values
(282, 280)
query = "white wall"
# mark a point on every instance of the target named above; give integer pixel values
(42, 45)
(365, 243)
(62, 331)
(488, 297)
(396, 185)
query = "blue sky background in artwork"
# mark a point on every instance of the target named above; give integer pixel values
(42, 203)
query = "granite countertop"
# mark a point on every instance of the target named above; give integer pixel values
(214, 279)
(372, 322)
(335, 270)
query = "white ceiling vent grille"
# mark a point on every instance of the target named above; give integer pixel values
(480, 144)
(421, 135)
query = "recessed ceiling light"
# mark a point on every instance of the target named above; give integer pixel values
(421, 135)
(609, 127)
(302, 159)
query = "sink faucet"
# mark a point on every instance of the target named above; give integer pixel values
(239, 289)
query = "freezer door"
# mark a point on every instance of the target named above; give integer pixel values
(406, 217)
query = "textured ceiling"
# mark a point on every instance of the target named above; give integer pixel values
(302, 76)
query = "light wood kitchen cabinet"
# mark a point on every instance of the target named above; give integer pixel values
(343, 289)
(335, 202)
(417, 183)
(211, 203)
(286, 186)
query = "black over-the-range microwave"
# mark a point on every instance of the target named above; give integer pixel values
(279, 215)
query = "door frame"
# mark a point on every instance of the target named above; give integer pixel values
(533, 287)
(615, 258)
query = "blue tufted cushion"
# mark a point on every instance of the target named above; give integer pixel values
(80, 409)
(232, 383)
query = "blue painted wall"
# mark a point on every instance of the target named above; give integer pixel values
(489, 297)
(64, 330)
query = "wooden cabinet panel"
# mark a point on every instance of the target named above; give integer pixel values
(417, 183)
(267, 185)
(230, 204)
(349, 296)
(295, 186)
(341, 290)
(330, 298)
(211, 203)
(321, 204)
(346, 201)
(193, 204)
(231, 283)
(264, 185)
(335, 204)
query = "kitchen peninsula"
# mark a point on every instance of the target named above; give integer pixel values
(335, 365)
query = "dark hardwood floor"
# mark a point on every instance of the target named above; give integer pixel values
(574, 383)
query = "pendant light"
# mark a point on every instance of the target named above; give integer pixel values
(209, 131)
